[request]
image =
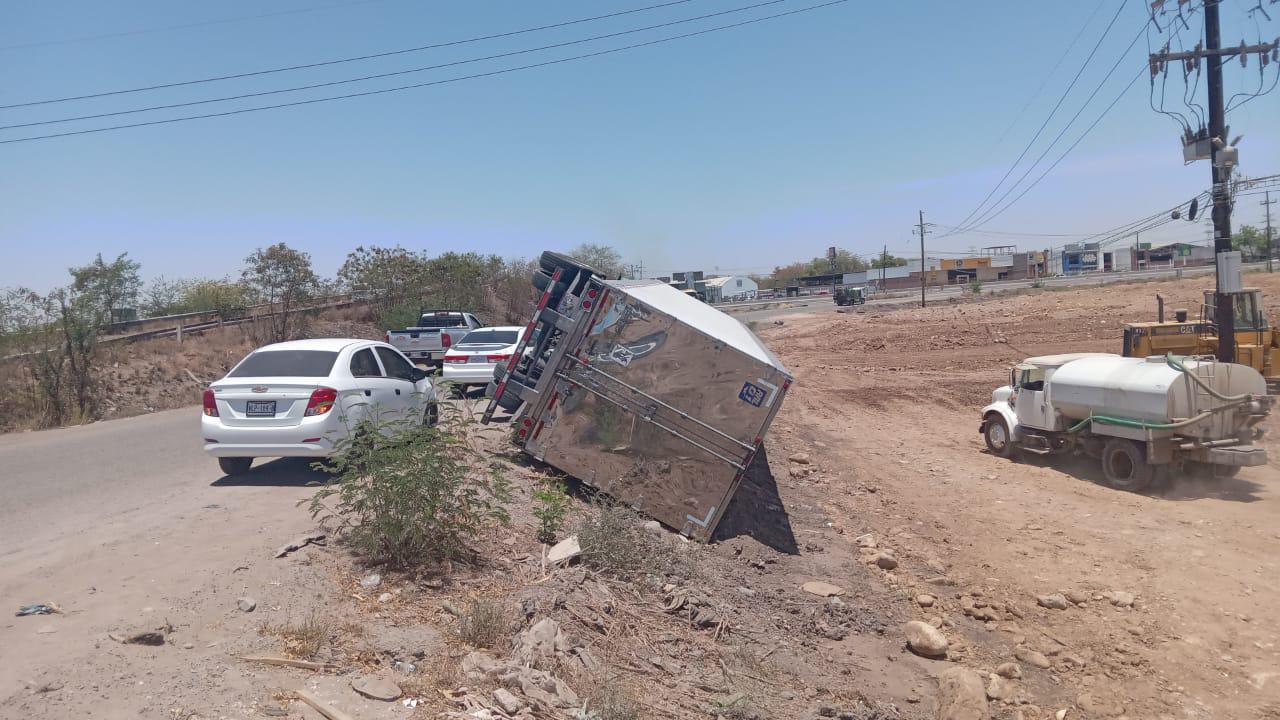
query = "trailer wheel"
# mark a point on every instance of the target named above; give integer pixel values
(1124, 464)
(996, 432)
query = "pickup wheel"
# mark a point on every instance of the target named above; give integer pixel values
(235, 465)
(1125, 466)
(996, 432)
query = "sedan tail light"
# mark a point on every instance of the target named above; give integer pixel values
(498, 358)
(210, 403)
(321, 402)
(456, 359)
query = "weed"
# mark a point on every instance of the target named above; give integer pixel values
(483, 623)
(551, 504)
(305, 639)
(612, 542)
(408, 493)
(975, 287)
(1038, 284)
(609, 698)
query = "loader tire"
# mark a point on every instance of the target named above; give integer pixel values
(1125, 466)
(996, 432)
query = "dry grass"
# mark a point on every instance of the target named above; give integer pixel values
(305, 639)
(608, 696)
(484, 623)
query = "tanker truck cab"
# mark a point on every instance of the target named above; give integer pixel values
(1143, 418)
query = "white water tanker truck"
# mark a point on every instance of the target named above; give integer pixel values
(1142, 417)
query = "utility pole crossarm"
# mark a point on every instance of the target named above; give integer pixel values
(1165, 56)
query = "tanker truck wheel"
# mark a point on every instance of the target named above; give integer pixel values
(996, 433)
(1124, 463)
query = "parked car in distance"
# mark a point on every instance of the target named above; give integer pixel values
(435, 333)
(302, 398)
(471, 360)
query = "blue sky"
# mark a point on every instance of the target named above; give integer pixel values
(737, 150)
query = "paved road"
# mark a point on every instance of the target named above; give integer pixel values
(120, 523)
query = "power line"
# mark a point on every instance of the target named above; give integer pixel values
(185, 26)
(1052, 112)
(395, 73)
(324, 63)
(987, 216)
(445, 81)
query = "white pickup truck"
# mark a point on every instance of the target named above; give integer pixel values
(434, 334)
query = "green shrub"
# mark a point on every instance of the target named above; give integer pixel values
(399, 317)
(550, 505)
(975, 287)
(407, 494)
(1038, 284)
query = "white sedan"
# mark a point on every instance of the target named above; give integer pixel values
(302, 398)
(471, 360)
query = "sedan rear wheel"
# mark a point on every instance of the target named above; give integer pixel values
(235, 465)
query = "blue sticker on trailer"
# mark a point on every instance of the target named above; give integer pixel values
(753, 395)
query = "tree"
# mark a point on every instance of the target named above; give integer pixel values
(281, 277)
(108, 286)
(385, 276)
(1250, 241)
(887, 261)
(845, 262)
(58, 334)
(601, 257)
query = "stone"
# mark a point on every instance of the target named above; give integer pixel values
(800, 458)
(564, 551)
(1009, 670)
(246, 604)
(1002, 689)
(1077, 597)
(1099, 707)
(925, 600)
(384, 598)
(925, 639)
(509, 703)
(540, 685)
(961, 695)
(828, 711)
(886, 561)
(866, 541)
(653, 527)
(822, 589)
(371, 581)
(1032, 657)
(1055, 601)
(746, 591)
(542, 645)
(376, 687)
(188, 646)
(1120, 598)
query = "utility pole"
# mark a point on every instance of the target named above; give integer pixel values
(1270, 243)
(1225, 314)
(884, 259)
(1213, 144)
(921, 230)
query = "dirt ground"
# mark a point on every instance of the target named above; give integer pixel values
(887, 405)
(874, 480)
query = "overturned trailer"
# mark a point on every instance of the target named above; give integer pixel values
(641, 391)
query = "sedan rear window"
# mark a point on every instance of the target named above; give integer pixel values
(491, 337)
(286, 363)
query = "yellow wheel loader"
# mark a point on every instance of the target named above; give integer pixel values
(1256, 341)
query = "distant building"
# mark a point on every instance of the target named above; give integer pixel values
(731, 287)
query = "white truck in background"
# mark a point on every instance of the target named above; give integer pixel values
(1142, 417)
(435, 333)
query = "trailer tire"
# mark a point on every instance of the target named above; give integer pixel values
(1125, 466)
(995, 431)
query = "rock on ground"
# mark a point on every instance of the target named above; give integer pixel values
(822, 589)
(371, 581)
(246, 604)
(924, 639)
(377, 687)
(961, 695)
(1032, 657)
(1056, 601)
(509, 703)
(925, 600)
(886, 561)
(1009, 670)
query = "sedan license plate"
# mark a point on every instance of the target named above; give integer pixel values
(478, 359)
(260, 408)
